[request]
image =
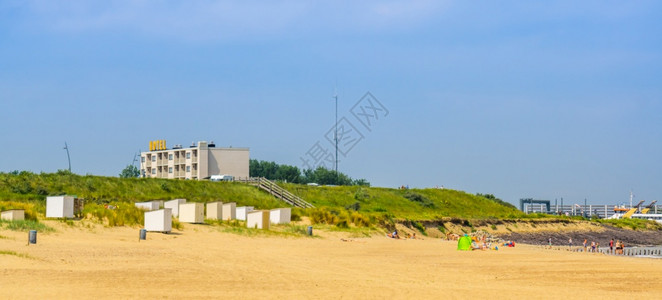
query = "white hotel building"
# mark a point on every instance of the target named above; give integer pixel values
(195, 162)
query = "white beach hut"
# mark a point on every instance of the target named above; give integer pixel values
(192, 213)
(174, 205)
(258, 219)
(229, 211)
(242, 211)
(13, 215)
(149, 205)
(215, 210)
(60, 207)
(159, 220)
(280, 215)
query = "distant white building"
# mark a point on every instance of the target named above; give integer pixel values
(198, 161)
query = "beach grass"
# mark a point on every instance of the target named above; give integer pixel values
(31, 208)
(25, 225)
(634, 224)
(14, 253)
(115, 214)
(238, 227)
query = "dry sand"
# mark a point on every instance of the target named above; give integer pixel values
(201, 262)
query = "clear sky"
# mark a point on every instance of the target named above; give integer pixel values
(541, 99)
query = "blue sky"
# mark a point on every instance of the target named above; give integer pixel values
(545, 100)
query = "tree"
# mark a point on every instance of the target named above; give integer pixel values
(273, 171)
(130, 171)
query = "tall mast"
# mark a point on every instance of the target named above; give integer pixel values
(68, 157)
(335, 96)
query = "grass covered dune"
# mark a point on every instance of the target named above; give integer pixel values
(424, 204)
(433, 212)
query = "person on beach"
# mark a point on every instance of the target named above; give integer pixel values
(549, 243)
(584, 245)
(570, 243)
(619, 248)
(611, 246)
(593, 246)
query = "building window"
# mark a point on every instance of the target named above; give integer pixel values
(142, 159)
(154, 158)
(170, 170)
(188, 155)
(153, 171)
(170, 157)
(188, 169)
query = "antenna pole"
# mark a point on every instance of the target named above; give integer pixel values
(68, 157)
(335, 95)
(135, 158)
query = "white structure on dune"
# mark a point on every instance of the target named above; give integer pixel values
(13, 215)
(192, 213)
(60, 207)
(215, 210)
(242, 211)
(258, 219)
(174, 205)
(229, 211)
(159, 220)
(280, 215)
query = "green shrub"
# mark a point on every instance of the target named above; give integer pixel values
(420, 227)
(296, 214)
(361, 194)
(356, 206)
(360, 220)
(322, 216)
(418, 198)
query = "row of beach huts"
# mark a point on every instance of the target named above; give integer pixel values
(159, 213)
(56, 207)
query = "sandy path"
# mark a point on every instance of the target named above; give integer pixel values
(201, 262)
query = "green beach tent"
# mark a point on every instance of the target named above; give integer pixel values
(464, 243)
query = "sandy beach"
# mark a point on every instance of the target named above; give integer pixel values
(202, 262)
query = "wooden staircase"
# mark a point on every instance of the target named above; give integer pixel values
(278, 192)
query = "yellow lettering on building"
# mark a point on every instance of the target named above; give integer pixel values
(157, 145)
